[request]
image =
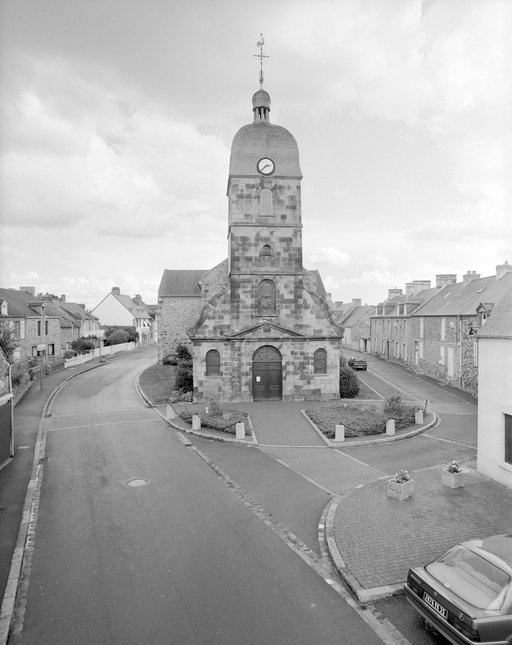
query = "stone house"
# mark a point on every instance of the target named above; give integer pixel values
(494, 457)
(444, 329)
(119, 310)
(391, 324)
(356, 324)
(265, 328)
(179, 306)
(33, 323)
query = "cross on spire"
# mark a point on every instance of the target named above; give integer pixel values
(261, 56)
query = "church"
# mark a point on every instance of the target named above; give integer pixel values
(260, 326)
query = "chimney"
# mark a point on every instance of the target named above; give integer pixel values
(116, 291)
(31, 290)
(63, 297)
(137, 298)
(356, 302)
(470, 275)
(414, 287)
(443, 279)
(394, 292)
(501, 269)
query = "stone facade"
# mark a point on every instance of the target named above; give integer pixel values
(261, 301)
(175, 316)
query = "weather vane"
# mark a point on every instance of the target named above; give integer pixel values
(261, 56)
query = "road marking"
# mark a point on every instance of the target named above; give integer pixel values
(395, 386)
(99, 425)
(321, 565)
(369, 386)
(78, 414)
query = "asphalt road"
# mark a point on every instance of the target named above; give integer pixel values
(179, 559)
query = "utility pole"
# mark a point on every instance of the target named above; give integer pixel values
(42, 347)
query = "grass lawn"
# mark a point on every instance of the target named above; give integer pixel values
(157, 382)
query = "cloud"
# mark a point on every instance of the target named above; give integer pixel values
(121, 169)
(330, 257)
(379, 278)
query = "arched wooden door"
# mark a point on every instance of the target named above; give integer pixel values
(267, 374)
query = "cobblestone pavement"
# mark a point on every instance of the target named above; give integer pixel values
(379, 538)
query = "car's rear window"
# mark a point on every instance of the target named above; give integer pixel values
(473, 578)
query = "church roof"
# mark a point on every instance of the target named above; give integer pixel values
(181, 282)
(264, 139)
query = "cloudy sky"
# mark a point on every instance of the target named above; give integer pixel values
(117, 118)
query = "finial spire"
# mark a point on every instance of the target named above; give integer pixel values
(261, 56)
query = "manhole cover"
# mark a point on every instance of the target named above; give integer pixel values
(137, 482)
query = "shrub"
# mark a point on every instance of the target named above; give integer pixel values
(7, 341)
(19, 374)
(69, 353)
(117, 337)
(349, 383)
(394, 407)
(180, 353)
(82, 345)
(184, 378)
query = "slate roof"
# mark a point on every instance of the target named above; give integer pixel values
(463, 298)
(136, 310)
(499, 323)
(355, 316)
(181, 282)
(17, 303)
(76, 311)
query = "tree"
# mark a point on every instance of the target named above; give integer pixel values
(132, 334)
(7, 341)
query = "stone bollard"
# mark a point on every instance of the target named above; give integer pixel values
(171, 414)
(390, 426)
(418, 417)
(196, 422)
(426, 407)
(240, 430)
(339, 433)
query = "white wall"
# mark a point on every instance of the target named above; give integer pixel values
(494, 400)
(111, 312)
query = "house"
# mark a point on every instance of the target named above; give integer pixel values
(262, 326)
(33, 322)
(391, 324)
(119, 310)
(494, 457)
(180, 303)
(356, 325)
(444, 328)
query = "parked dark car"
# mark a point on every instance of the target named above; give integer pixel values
(357, 363)
(466, 594)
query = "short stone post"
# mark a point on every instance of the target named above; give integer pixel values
(339, 433)
(240, 430)
(171, 414)
(196, 422)
(390, 427)
(426, 407)
(418, 417)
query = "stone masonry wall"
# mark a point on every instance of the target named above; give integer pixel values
(175, 316)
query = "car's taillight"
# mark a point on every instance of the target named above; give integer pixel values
(414, 583)
(467, 631)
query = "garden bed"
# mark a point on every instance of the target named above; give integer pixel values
(219, 419)
(158, 385)
(362, 420)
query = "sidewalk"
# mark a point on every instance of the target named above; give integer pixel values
(16, 475)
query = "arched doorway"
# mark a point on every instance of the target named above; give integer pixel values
(267, 374)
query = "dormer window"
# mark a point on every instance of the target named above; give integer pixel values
(3, 307)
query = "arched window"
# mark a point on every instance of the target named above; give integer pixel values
(266, 202)
(267, 304)
(212, 363)
(320, 361)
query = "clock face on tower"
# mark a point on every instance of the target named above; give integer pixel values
(265, 166)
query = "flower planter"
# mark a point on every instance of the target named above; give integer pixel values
(452, 480)
(400, 491)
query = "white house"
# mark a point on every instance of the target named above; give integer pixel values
(120, 310)
(494, 457)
